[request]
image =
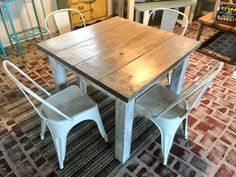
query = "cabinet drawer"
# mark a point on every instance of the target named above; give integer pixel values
(76, 18)
(99, 9)
(81, 6)
(74, 2)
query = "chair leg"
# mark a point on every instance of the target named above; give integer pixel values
(185, 127)
(166, 143)
(43, 129)
(101, 129)
(60, 145)
(167, 136)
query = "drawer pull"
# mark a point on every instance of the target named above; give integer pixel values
(81, 17)
(81, 7)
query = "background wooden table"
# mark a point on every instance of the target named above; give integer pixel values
(208, 20)
(123, 58)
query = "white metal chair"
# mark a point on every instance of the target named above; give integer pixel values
(62, 20)
(168, 21)
(168, 110)
(61, 111)
(63, 24)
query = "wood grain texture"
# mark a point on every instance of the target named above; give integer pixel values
(120, 56)
(111, 60)
(59, 43)
(138, 75)
(101, 43)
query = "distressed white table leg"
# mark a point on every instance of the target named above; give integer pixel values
(83, 84)
(123, 130)
(177, 77)
(191, 14)
(130, 9)
(187, 13)
(59, 74)
(146, 17)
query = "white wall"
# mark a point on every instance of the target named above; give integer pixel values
(23, 16)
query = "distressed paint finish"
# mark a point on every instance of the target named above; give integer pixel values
(59, 74)
(123, 130)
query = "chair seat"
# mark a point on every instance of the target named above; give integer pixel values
(156, 100)
(71, 101)
(163, 4)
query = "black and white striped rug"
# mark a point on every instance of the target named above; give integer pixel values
(87, 154)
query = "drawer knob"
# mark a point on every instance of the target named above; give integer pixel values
(81, 7)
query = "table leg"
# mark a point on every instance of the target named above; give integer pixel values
(191, 13)
(146, 17)
(177, 78)
(123, 129)
(199, 32)
(82, 84)
(137, 16)
(130, 9)
(121, 8)
(59, 74)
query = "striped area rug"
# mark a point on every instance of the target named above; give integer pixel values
(87, 154)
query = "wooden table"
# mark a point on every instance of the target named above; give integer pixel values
(208, 20)
(143, 6)
(123, 58)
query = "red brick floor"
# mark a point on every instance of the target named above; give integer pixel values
(209, 151)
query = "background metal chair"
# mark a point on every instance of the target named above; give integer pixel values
(169, 19)
(2, 50)
(63, 23)
(62, 19)
(168, 22)
(60, 112)
(168, 110)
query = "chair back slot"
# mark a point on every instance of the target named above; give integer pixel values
(62, 20)
(199, 86)
(26, 91)
(169, 19)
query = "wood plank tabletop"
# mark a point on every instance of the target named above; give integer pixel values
(121, 56)
(138, 75)
(67, 40)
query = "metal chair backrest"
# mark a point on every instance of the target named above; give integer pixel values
(62, 20)
(26, 91)
(169, 19)
(199, 87)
